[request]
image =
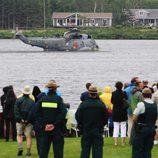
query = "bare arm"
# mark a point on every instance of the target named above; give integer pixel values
(135, 118)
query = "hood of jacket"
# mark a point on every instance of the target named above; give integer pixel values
(107, 89)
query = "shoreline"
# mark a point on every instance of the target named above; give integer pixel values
(123, 33)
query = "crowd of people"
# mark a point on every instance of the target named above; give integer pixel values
(130, 110)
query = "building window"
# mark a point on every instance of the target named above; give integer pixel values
(60, 21)
(104, 22)
(93, 22)
(141, 13)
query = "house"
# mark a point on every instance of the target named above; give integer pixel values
(145, 17)
(67, 19)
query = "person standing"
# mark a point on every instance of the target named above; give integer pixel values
(106, 99)
(144, 119)
(136, 95)
(155, 95)
(35, 92)
(128, 91)
(8, 113)
(51, 113)
(1, 122)
(119, 113)
(3, 99)
(45, 92)
(92, 116)
(22, 109)
(155, 99)
(85, 94)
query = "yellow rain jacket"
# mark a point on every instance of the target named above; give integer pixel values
(106, 98)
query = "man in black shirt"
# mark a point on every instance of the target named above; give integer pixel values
(92, 116)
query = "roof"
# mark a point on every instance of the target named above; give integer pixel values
(153, 13)
(58, 15)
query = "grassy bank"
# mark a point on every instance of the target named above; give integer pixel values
(72, 149)
(97, 33)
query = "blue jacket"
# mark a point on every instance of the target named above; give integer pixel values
(84, 96)
(129, 91)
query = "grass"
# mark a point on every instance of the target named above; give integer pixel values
(97, 33)
(72, 149)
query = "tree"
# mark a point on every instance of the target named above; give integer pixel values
(30, 13)
(151, 4)
(137, 4)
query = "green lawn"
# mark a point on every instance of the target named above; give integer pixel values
(72, 149)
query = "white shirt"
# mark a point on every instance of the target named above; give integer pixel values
(140, 109)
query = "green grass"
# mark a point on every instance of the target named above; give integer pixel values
(97, 33)
(72, 149)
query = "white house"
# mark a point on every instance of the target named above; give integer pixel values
(148, 17)
(68, 19)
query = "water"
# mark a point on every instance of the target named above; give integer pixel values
(21, 65)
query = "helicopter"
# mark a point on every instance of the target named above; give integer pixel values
(70, 41)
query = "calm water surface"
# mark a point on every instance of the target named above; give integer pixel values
(22, 65)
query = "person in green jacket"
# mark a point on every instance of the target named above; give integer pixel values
(51, 112)
(92, 116)
(22, 108)
(136, 96)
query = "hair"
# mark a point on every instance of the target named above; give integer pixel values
(67, 105)
(147, 95)
(134, 80)
(119, 85)
(5, 89)
(152, 90)
(10, 87)
(145, 82)
(11, 94)
(36, 91)
(52, 81)
(88, 85)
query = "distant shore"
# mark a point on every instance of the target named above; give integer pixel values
(96, 33)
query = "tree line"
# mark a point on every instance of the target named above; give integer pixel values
(37, 13)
